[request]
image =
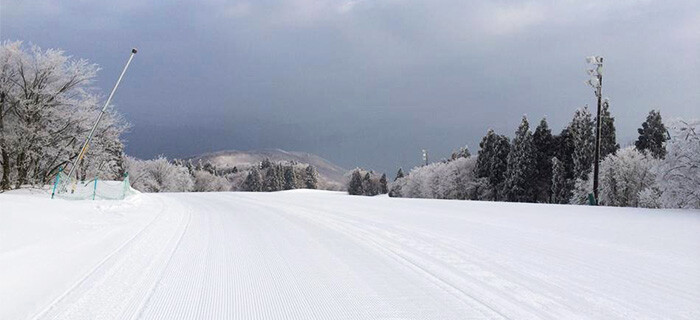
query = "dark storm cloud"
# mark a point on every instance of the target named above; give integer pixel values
(369, 83)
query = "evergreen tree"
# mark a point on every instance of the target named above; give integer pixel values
(265, 164)
(544, 150)
(290, 178)
(491, 162)
(608, 143)
(367, 185)
(253, 182)
(652, 135)
(311, 178)
(561, 192)
(272, 181)
(521, 168)
(399, 174)
(383, 187)
(581, 130)
(463, 152)
(355, 185)
(234, 170)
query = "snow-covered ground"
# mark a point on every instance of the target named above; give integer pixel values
(324, 255)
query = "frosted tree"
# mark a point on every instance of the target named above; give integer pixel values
(544, 151)
(492, 162)
(47, 106)
(368, 185)
(463, 152)
(455, 179)
(521, 168)
(560, 184)
(158, 175)
(581, 130)
(311, 177)
(383, 187)
(399, 174)
(205, 182)
(564, 152)
(265, 164)
(652, 135)
(355, 186)
(623, 178)
(290, 178)
(679, 172)
(608, 143)
(274, 180)
(253, 181)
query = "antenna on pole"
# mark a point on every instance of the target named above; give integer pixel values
(99, 117)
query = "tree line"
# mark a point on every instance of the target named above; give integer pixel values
(542, 167)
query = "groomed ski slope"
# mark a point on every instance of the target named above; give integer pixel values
(324, 255)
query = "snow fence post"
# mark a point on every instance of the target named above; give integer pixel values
(126, 185)
(94, 189)
(58, 176)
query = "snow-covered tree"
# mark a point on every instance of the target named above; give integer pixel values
(274, 179)
(463, 152)
(564, 152)
(521, 169)
(290, 178)
(367, 185)
(679, 172)
(608, 143)
(652, 135)
(383, 187)
(560, 184)
(454, 179)
(158, 175)
(205, 182)
(544, 151)
(581, 130)
(492, 162)
(266, 163)
(399, 174)
(253, 181)
(47, 106)
(311, 177)
(355, 186)
(623, 177)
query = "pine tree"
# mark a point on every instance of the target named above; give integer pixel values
(652, 135)
(290, 178)
(463, 152)
(581, 130)
(253, 182)
(311, 178)
(491, 162)
(367, 185)
(355, 185)
(608, 143)
(266, 163)
(272, 181)
(521, 168)
(383, 187)
(561, 192)
(544, 149)
(399, 174)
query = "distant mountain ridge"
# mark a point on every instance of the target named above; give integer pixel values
(327, 170)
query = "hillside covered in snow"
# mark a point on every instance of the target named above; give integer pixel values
(308, 254)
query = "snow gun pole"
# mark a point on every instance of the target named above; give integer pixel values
(94, 127)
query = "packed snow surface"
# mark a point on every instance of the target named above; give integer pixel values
(324, 255)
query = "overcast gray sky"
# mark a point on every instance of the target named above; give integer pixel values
(368, 83)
